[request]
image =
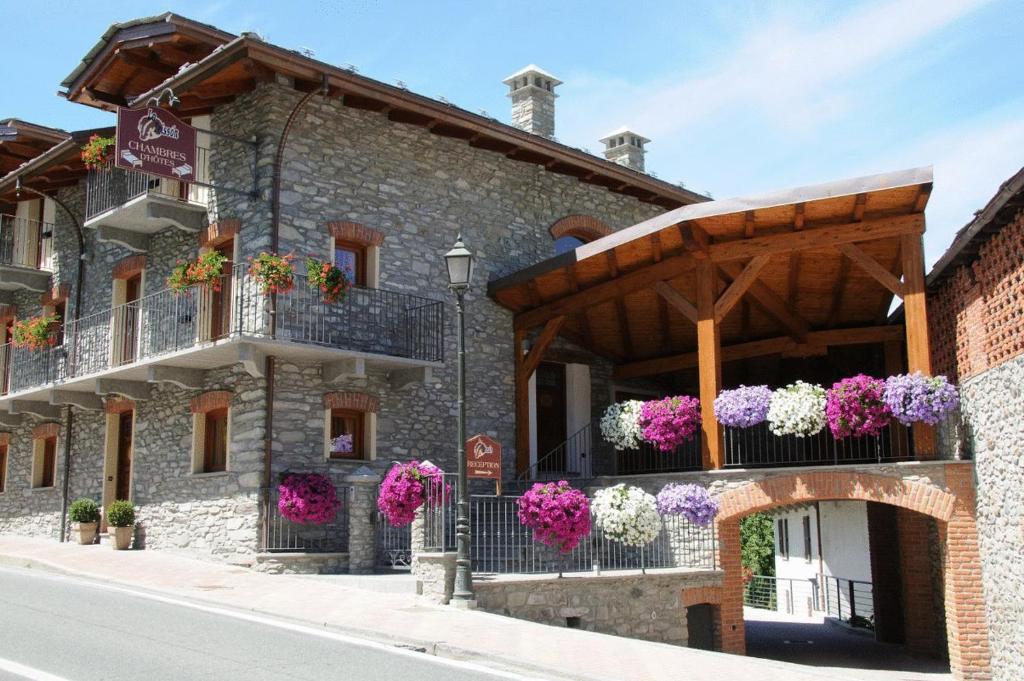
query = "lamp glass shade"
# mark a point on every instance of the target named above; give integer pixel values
(460, 265)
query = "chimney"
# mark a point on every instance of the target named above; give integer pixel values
(626, 148)
(532, 90)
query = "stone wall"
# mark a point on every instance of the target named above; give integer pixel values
(649, 607)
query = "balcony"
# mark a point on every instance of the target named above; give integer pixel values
(204, 329)
(25, 253)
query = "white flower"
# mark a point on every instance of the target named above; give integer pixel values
(620, 424)
(627, 515)
(798, 409)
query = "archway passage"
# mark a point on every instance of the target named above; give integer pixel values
(949, 503)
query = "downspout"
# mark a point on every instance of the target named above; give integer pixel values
(69, 414)
(275, 241)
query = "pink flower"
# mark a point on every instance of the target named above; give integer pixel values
(308, 499)
(405, 489)
(558, 514)
(669, 422)
(855, 407)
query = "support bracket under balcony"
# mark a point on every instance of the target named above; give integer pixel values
(354, 367)
(10, 420)
(252, 359)
(43, 410)
(133, 241)
(188, 379)
(87, 401)
(13, 277)
(133, 390)
(403, 378)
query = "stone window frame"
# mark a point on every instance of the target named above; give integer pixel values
(41, 435)
(357, 234)
(201, 406)
(5, 448)
(362, 403)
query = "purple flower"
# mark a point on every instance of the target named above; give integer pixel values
(558, 514)
(308, 499)
(669, 422)
(916, 398)
(744, 406)
(688, 500)
(855, 407)
(404, 490)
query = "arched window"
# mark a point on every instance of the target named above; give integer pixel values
(575, 230)
(566, 243)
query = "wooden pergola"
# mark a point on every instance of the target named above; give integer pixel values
(788, 273)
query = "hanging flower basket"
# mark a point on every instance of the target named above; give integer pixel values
(620, 425)
(404, 490)
(693, 502)
(855, 407)
(36, 333)
(558, 514)
(798, 409)
(668, 423)
(308, 499)
(916, 398)
(331, 281)
(744, 406)
(273, 273)
(96, 153)
(206, 270)
(627, 515)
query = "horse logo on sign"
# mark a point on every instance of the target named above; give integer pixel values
(483, 457)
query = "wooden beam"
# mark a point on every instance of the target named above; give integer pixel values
(147, 63)
(677, 300)
(819, 237)
(915, 314)
(748, 223)
(836, 305)
(772, 304)
(872, 267)
(798, 216)
(695, 240)
(739, 286)
(709, 367)
(547, 335)
(761, 348)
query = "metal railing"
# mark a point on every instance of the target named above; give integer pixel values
(757, 447)
(25, 242)
(394, 544)
(849, 600)
(279, 535)
(110, 187)
(366, 320)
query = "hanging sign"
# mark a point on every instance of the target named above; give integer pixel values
(156, 142)
(483, 458)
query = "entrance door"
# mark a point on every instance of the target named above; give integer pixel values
(130, 318)
(123, 484)
(220, 309)
(551, 413)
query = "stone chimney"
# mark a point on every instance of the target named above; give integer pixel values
(626, 148)
(532, 90)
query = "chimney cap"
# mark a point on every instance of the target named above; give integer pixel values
(530, 70)
(624, 130)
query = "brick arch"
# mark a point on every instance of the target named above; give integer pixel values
(208, 401)
(46, 430)
(355, 232)
(583, 227)
(784, 490)
(351, 400)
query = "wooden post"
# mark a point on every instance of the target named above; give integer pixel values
(709, 364)
(522, 401)
(916, 314)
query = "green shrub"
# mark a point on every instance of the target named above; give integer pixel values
(121, 514)
(84, 510)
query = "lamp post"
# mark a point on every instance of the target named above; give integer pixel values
(460, 272)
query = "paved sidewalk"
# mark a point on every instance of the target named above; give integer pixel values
(402, 619)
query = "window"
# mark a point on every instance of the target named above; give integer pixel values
(44, 468)
(215, 441)
(61, 310)
(347, 440)
(567, 243)
(807, 538)
(3, 468)
(782, 543)
(350, 257)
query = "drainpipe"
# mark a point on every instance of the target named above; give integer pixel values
(69, 415)
(275, 240)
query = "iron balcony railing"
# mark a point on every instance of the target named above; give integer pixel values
(366, 320)
(280, 535)
(109, 187)
(25, 242)
(850, 600)
(758, 447)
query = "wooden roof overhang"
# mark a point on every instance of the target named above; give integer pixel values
(207, 68)
(797, 271)
(59, 166)
(21, 141)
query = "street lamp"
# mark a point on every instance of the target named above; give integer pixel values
(460, 272)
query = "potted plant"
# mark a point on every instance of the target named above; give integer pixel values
(121, 517)
(36, 333)
(404, 490)
(798, 409)
(96, 152)
(273, 273)
(669, 422)
(85, 514)
(743, 407)
(558, 514)
(308, 499)
(620, 424)
(855, 407)
(691, 501)
(916, 398)
(329, 279)
(207, 270)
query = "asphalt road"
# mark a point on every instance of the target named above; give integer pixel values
(55, 628)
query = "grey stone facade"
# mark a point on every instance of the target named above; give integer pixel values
(993, 408)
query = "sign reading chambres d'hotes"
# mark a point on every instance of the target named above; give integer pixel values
(156, 142)
(483, 457)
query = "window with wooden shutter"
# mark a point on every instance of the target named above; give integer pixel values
(215, 441)
(351, 423)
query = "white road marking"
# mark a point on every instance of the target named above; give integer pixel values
(26, 672)
(263, 620)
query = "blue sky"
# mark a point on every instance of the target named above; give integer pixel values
(738, 98)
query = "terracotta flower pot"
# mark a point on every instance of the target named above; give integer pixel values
(86, 532)
(122, 537)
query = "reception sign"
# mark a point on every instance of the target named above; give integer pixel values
(156, 142)
(483, 457)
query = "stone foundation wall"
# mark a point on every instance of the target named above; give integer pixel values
(301, 563)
